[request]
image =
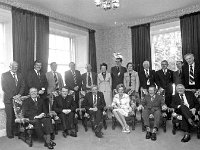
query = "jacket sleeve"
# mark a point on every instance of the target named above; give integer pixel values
(73, 104)
(22, 86)
(137, 82)
(56, 107)
(85, 102)
(103, 103)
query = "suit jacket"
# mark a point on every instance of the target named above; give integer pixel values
(9, 87)
(51, 81)
(88, 101)
(30, 110)
(69, 79)
(154, 105)
(34, 81)
(164, 81)
(191, 99)
(143, 78)
(185, 76)
(117, 77)
(84, 80)
(135, 83)
(177, 77)
(60, 103)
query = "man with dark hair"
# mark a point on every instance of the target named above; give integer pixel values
(13, 87)
(164, 81)
(117, 73)
(191, 73)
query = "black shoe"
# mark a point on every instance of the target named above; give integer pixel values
(186, 138)
(73, 134)
(48, 145)
(52, 136)
(153, 137)
(148, 135)
(64, 134)
(52, 143)
(10, 137)
(98, 134)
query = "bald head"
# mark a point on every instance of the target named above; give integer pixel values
(13, 66)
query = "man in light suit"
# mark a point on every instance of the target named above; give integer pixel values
(152, 104)
(191, 73)
(117, 73)
(89, 78)
(177, 74)
(54, 79)
(73, 81)
(94, 104)
(13, 86)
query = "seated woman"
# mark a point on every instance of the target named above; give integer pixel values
(34, 109)
(122, 108)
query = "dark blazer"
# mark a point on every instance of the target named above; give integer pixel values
(177, 77)
(143, 78)
(117, 79)
(154, 105)
(164, 81)
(34, 81)
(60, 103)
(9, 87)
(30, 110)
(84, 80)
(192, 100)
(88, 101)
(185, 76)
(69, 79)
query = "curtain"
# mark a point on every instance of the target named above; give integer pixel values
(23, 28)
(92, 51)
(141, 46)
(42, 40)
(190, 34)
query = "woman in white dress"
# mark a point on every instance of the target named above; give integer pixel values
(104, 83)
(122, 108)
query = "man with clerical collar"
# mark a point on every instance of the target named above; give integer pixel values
(65, 106)
(185, 104)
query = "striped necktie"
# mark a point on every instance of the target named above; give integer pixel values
(95, 101)
(130, 79)
(56, 81)
(74, 76)
(15, 78)
(191, 75)
(89, 79)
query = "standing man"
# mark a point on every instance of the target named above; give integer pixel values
(164, 81)
(177, 74)
(146, 76)
(73, 81)
(89, 78)
(117, 73)
(38, 79)
(13, 87)
(191, 73)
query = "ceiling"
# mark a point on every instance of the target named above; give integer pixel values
(129, 10)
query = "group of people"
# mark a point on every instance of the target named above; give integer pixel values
(99, 94)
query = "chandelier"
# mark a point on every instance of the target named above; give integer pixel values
(107, 4)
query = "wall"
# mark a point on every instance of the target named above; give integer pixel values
(108, 41)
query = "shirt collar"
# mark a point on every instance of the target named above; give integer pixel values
(12, 73)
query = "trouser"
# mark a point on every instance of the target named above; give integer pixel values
(168, 101)
(156, 114)
(67, 121)
(96, 117)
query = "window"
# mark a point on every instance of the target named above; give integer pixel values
(166, 44)
(61, 52)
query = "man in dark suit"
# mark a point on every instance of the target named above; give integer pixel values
(94, 104)
(34, 109)
(117, 73)
(65, 106)
(73, 81)
(13, 87)
(89, 78)
(152, 104)
(191, 73)
(146, 76)
(164, 81)
(185, 104)
(38, 79)
(177, 74)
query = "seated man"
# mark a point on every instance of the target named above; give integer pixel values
(152, 104)
(94, 104)
(65, 106)
(35, 109)
(185, 104)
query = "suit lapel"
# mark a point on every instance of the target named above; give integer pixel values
(12, 80)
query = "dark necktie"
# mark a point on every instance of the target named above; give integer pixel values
(74, 76)
(165, 71)
(129, 79)
(104, 75)
(146, 73)
(15, 78)
(191, 76)
(95, 101)
(179, 73)
(89, 79)
(35, 102)
(182, 100)
(38, 74)
(56, 81)
(117, 69)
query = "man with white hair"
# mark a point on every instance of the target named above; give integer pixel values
(146, 76)
(13, 87)
(191, 73)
